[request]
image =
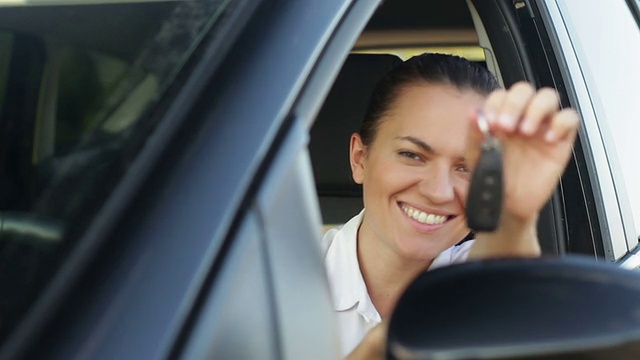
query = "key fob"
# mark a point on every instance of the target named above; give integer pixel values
(484, 200)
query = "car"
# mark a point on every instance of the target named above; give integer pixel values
(168, 166)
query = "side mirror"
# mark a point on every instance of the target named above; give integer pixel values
(546, 308)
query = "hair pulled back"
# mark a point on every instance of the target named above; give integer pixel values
(431, 68)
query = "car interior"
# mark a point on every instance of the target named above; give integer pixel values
(391, 36)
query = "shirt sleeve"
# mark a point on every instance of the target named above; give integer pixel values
(453, 255)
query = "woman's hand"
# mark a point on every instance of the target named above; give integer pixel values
(374, 344)
(537, 139)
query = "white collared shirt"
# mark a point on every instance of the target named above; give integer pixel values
(356, 313)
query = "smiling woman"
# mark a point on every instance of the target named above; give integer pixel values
(413, 157)
(417, 151)
(409, 157)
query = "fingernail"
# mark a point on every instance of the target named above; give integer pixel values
(507, 121)
(527, 127)
(490, 117)
(550, 136)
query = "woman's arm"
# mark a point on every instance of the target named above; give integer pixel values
(537, 138)
(373, 346)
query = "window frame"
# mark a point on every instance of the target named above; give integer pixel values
(612, 205)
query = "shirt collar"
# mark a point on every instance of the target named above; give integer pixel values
(347, 285)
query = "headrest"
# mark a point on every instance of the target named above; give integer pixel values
(340, 116)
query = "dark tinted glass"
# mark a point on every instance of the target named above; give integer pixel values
(79, 85)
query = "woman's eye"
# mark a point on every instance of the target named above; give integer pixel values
(410, 155)
(463, 168)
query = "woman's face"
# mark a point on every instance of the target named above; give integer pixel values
(414, 175)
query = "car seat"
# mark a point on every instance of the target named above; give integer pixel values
(341, 115)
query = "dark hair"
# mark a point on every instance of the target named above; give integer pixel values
(432, 68)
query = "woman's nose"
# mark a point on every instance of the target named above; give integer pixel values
(437, 185)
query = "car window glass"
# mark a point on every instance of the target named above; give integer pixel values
(97, 93)
(78, 85)
(5, 48)
(613, 48)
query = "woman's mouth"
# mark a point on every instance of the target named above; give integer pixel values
(423, 217)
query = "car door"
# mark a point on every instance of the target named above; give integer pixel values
(597, 64)
(555, 43)
(206, 243)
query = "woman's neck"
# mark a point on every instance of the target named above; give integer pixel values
(385, 273)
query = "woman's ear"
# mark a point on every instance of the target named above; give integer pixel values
(356, 158)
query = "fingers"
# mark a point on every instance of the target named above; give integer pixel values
(528, 112)
(504, 109)
(563, 127)
(542, 107)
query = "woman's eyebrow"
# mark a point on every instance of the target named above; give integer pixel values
(423, 145)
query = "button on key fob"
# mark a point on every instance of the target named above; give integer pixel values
(484, 200)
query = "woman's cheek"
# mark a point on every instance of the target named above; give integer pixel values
(461, 188)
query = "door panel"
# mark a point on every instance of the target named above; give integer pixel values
(239, 320)
(593, 140)
(290, 214)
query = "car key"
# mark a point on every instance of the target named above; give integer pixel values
(484, 200)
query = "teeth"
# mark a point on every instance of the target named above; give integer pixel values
(423, 217)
